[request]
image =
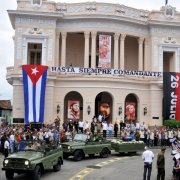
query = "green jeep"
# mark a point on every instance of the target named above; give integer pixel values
(33, 157)
(82, 145)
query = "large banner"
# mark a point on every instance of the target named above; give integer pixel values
(73, 110)
(34, 79)
(130, 111)
(104, 51)
(171, 91)
(105, 110)
(99, 71)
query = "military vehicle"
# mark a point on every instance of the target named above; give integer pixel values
(127, 146)
(33, 157)
(82, 145)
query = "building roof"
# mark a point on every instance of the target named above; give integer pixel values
(5, 104)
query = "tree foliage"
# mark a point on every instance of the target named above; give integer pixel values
(172, 123)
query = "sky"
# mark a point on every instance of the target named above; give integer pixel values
(7, 32)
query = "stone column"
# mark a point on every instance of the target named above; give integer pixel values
(93, 49)
(146, 55)
(140, 54)
(57, 48)
(86, 50)
(116, 50)
(122, 40)
(63, 49)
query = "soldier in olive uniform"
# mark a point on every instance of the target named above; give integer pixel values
(161, 165)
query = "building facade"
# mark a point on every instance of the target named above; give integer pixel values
(66, 37)
(5, 112)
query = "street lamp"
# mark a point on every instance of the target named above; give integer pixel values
(58, 109)
(88, 110)
(145, 111)
(120, 110)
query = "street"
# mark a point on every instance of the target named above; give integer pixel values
(125, 167)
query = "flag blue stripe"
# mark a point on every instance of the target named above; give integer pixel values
(26, 100)
(42, 98)
(34, 103)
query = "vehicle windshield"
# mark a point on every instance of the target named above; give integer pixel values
(80, 137)
(30, 145)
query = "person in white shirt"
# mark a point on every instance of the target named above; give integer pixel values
(105, 127)
(11, 142)
(110, 129)
(6, 147)
(86, 126)
(47, 136)
(81, 125)
(137, 125)
(148, 157)
(100, 117)
(40, 135)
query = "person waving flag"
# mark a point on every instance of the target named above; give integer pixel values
(34, 80)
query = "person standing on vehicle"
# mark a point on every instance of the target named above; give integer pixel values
(161, 165)
(105, 127)
(6, 147)
(115, 129)
(148, 157)
(80, 125)
(11, 142)
(93, 126)
(98, 126)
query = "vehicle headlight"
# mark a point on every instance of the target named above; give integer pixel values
(6, 161)
(26, 163)
(60, 146)
(69, 147)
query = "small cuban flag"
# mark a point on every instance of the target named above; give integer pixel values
(34, 79)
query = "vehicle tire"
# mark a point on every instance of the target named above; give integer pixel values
(78, 155)
(104, 153)
(37, 173)
(91, 155)
(9, 174)
(57, 167)
(132, 153)
(65, 156)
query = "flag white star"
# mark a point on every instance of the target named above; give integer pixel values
(34, 71)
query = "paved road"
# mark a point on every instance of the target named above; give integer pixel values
(115, 167)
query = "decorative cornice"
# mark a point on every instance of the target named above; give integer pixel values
(169, 40)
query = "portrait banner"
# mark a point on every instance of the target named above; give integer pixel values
(171, 93)
(73, 110)
(104, 51)
(130, 111)
(104, 110)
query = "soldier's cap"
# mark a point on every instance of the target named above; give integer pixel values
(163, 149)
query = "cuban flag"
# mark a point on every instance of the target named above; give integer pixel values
(34, 79)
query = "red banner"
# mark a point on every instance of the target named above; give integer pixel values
(104, 51)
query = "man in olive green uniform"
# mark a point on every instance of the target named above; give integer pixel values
(161, 165)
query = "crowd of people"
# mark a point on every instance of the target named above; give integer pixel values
(125, 131)
(154, 136)
(11, 135)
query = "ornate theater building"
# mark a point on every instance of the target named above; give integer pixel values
(102, 58)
